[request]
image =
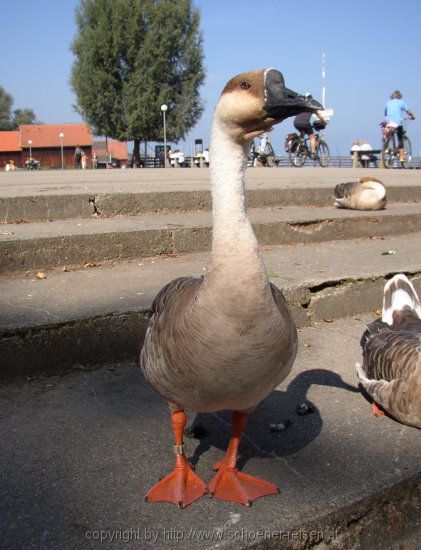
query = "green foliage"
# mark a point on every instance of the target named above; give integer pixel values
(6, 102)
(131, 57)
(22, 116)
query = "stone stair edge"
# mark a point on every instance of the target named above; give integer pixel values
(30, 208)
(305, 296)
(58, 348)
(85, 245)
(291, 214)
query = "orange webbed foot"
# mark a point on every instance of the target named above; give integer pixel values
(182, 486)
(377, 409)
(234, 486)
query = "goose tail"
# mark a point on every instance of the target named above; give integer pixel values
(361, 373)
(399, 293)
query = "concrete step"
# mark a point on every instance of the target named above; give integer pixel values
(56, 195)
(75, 242)
(79, 453)
(97, 314)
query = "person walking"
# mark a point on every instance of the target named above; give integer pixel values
(78, 157)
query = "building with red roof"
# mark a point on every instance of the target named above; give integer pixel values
(44, 143)
(10, 148)
(111, 149)
(52, 144)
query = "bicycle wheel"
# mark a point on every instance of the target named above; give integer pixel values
(388, 152)
(297, 154)
(269, 156)
(407, 153)
(270, 161)
(323, 155)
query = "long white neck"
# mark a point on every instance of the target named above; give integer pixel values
(233, 239)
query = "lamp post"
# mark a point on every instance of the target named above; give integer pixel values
(30, 147)
(61, 136)
(164, 109)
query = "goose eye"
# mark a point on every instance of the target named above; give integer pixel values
(245, 85)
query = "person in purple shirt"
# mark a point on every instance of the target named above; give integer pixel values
(395, 111)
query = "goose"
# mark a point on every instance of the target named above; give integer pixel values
(226, 340)
(391, 370)
(365, 194)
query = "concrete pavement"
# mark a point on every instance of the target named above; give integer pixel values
(44, 246)
(79, 453)
(89, 315)
(53, 195)
(57, 182)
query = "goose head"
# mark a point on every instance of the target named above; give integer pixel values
(252, 103)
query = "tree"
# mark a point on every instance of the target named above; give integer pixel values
(6, 102)
(131, 57)
(20, 116)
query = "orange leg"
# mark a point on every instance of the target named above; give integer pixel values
(229, 483)
(377, 409)
(182, 486)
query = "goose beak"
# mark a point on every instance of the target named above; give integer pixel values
(280, 102)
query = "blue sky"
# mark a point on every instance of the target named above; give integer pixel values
(372, 48)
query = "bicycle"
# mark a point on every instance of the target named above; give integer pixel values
(390, 147)
(32, 164)
(299, 150)
(265, 158)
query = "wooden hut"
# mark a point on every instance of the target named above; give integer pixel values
(46, 143)
(10, 149)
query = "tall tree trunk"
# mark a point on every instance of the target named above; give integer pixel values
(136, 153)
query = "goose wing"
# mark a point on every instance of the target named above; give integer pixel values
(171, 292)
(281, 303)
(345, 190)
(391, 372)
(390, 354)
(169, 303)
(286, 314)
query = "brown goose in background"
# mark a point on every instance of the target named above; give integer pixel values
(391, 371)
(225, 341)
(365, 194)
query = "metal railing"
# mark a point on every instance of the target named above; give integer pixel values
(342, 162)
(281, 162)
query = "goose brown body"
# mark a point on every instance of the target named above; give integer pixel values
(391, 371)
(247, 348)
(226, 340)
(365, 194)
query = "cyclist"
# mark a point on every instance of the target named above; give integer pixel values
(263, 143)
(395, 111)
(303, 124)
